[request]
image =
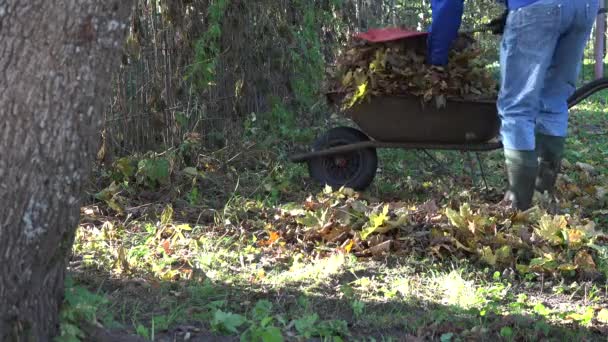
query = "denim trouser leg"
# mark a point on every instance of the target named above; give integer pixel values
(560, 82)
(530, 38)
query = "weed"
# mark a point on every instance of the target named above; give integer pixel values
(81, 306)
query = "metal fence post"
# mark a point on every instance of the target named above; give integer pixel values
(600, 31)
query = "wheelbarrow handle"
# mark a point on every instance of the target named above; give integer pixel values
(482, 29)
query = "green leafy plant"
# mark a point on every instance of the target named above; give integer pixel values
(153, 172)
(358, 307)
(310, 326)
(227, 322)
(507, 332)
(261, 325)
(80, 306)
(143, 331)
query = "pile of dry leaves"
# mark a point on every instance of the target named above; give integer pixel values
(530, 242)
(399, 68)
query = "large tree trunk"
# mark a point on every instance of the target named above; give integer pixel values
(56, 61)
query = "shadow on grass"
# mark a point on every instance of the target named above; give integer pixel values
(188, 311)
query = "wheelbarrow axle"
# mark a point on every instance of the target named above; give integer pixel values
(337, 150)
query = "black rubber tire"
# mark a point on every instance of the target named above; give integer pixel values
(355, 170)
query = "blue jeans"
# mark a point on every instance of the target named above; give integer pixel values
(541, 52)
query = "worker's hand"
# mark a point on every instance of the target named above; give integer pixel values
(497, 25)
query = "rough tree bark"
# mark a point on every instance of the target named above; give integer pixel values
(56, 61)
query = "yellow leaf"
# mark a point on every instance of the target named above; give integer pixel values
(575, 237)
(602, 316)
(349, 247)
(167, 215)
(376, 221)
(361, 89)
(359, 95)
(488, 256)
(455, 219)
(550, 228)
(567, 267)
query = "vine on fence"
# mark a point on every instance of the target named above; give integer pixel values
(207, 48)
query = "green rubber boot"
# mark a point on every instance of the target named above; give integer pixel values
(522, 167)
(550, 150)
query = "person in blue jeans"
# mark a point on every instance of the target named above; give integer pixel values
(542, 46)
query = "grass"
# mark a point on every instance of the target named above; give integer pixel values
(248, 255)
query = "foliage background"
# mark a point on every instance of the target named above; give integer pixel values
(224, 68)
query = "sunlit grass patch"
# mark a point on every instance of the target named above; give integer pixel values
(309, 271)
(456, 291)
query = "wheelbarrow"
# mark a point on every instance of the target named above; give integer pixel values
(346, 156)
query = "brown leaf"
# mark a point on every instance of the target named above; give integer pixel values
(166, 244)
(381, 248)
(273, 237)
(584, 261)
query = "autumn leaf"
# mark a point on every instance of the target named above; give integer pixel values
(126, 167)
(567, 267)
(349, 246)
(272, 238)
(584, 261)
(394, 70)
(166, 245)
(602, 316)
(551, 228)
(455, 219)
(585, 319)
(545, 263)
(487, 256)
(575, 238)
(314, 220)
(375, 222)
(466, 220)
(348, 79)
(109, 194)
(167, 215)
(504, 254)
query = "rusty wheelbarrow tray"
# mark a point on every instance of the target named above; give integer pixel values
(345, 156)
(407, 119)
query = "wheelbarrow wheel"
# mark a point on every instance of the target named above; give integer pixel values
(355, 169)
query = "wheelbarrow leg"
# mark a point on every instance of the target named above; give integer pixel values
(439, 164)
(428, 164)
(469, 166)
(483, 173)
